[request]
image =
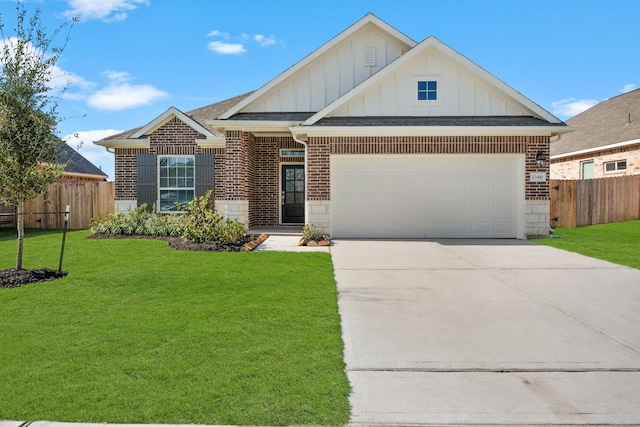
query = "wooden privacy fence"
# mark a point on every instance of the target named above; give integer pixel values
(86, 200)
(595, 201)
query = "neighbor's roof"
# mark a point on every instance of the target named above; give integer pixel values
(610, 122)
(76, 163)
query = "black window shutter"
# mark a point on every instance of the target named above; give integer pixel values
(147, 190)
(204, 173)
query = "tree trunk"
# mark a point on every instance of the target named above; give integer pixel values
(20, 226)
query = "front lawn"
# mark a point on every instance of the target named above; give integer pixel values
(617, 242)
(140, 333)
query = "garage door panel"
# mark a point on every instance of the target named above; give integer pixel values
(426, 195)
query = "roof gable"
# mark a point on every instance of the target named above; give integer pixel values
(330, 71)
(163, 118)
(464, 89)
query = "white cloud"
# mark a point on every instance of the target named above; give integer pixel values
(215, 33)
(264, 41)
(117, 76)
(628, 88)
(123, 96)
(106, 10)
(82, 142)
(570, 107)
(226, 48)
(236, 48)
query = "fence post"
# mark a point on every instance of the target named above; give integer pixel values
(64, 236)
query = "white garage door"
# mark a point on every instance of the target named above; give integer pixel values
(414, 196)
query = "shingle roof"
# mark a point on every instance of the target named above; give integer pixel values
(287, 117)
(609, 122)
(76, 163)
(200, 115)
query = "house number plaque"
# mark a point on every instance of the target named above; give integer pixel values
(538, 177)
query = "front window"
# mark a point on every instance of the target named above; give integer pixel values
(176, 182)
(618, 165)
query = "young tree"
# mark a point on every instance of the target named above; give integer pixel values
(28, 113)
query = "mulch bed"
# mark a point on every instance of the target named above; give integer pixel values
(12, 278)
(249, 243)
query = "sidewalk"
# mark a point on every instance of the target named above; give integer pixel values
(284, 239)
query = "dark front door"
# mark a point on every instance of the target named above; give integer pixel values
(292, 194)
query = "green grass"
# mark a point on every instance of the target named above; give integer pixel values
(617, 242)
(140, 333)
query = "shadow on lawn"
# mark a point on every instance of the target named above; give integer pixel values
(10, 233)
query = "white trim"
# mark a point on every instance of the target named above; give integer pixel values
(259, 126)
(124, 143)
(596, 149)
(452, 54)
(369, 18)
(302, 132)
(616, 170)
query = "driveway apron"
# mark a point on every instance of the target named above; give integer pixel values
(487, 332)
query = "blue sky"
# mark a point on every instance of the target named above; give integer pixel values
(130, 60)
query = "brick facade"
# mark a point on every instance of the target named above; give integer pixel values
(570, 167)
(174, 138)
(319, 150)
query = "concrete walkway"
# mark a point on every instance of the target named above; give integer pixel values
(284, 239)
(487, 332)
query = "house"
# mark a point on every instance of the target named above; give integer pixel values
(77, 168)
(371, 135)
(606, 142)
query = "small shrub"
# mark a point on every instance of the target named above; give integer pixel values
(199, 222)
(231, 231)
(311, 233)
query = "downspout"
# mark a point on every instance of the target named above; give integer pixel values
(306, 193)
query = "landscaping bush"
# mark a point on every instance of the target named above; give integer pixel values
(199, 223)
(311, 233)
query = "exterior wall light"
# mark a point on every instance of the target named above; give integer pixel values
(540, 159)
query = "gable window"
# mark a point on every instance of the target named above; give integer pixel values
(176, 182)
(618, 165)
(427, 90)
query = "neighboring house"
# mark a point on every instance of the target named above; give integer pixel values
(371, 135)
(605, 143)
(77, 168)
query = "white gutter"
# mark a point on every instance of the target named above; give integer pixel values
(124, 143)
(252, 126)
(596, 149)
(432, 130)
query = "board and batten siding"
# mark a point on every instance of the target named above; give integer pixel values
(332, 74)
(460, 93)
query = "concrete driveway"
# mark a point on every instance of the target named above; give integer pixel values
(487, 332)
